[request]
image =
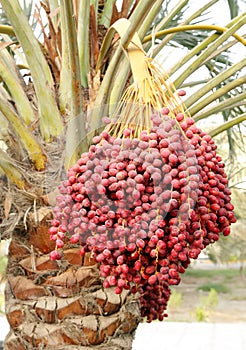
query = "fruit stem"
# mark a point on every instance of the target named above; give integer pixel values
(4, 29)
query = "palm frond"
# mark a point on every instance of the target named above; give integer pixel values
(234, 8)
(49, 126)
(24, 135)
(16, 86)
(12, 171)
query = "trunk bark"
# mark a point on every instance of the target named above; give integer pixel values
(61, 304)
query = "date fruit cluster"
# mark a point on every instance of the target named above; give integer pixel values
(144, 207)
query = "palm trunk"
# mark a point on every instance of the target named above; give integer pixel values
(62, 305)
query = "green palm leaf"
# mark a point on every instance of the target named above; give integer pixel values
(50, 120)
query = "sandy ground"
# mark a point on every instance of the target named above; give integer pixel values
(181, 336)
(190, 336)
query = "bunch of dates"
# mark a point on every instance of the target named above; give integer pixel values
(144, 207)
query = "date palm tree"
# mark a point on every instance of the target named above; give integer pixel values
(57, 82)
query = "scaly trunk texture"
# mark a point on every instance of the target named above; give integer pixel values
(61, 304)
